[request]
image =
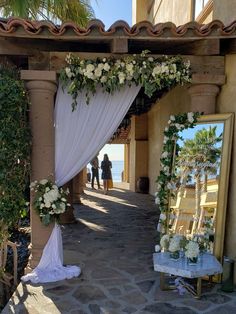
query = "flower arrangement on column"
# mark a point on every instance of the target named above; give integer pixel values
(49, 200)
(111, 73)
(166, 181)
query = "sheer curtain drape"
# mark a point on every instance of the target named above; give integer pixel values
(79, 135)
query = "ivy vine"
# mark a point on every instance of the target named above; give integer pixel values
(14, 146)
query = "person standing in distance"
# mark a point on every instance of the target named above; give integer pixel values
(106, 166)
(95, 174)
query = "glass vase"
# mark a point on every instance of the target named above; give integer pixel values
(192, 261)
(174, 255)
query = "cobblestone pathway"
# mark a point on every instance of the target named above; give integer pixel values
(113, 243)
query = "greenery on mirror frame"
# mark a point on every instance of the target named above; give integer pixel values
(153, 74)
(14, 147)
(167, 178)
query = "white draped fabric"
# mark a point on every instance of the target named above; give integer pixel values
(50, 267)
(82, 133)
(79, 136)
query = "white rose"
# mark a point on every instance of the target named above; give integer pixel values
(68, 72)
(157, 201)
(156, 70)
(90, 67)
(157, 248)
(103, 79)
(129, 67)
(98, 72)
(106, 67)
(162, 216)
(164, 154)
(43, 181)
(190, 117)
(172, 118)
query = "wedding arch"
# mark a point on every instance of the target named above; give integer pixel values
(95, 95)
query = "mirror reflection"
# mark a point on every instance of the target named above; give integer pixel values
(197, 169)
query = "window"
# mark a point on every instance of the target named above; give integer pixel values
(199, 6)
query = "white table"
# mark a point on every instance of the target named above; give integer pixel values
(208, 265)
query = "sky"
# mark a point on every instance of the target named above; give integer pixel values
(109, 11)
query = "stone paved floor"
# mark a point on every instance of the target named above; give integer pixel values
(113, 243)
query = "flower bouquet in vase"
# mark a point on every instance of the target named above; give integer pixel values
(192, 252)
(174, 248)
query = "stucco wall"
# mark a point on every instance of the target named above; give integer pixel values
(174, 102)
(178, 12)
(226, 103)
(224, 11)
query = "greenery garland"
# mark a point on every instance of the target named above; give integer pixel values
(152, 74)
(166, 179)
(14, 146)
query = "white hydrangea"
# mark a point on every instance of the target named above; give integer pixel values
(174, 244)
(192, 249)
(164, 242)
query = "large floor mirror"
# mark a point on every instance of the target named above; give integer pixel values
(201, 164)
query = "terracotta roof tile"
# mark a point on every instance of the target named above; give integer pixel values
(33, 28)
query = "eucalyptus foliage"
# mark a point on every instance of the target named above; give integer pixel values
(14, 146)
(153, 74)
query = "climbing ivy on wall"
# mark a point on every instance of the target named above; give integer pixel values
(14, 146)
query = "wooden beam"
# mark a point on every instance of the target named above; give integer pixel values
(13, 48)
(201, 47)
(119, 45)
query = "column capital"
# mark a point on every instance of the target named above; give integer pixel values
(203, 92)
(36, 75)
(202, 78)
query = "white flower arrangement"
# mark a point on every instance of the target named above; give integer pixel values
(192, 249)
(174, 245)
(166, 185)
(49, 200)
(164, 242)
(151, 73)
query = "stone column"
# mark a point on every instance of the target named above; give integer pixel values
(203, 92)
(41, 86)
(78, 187)
(138, 163)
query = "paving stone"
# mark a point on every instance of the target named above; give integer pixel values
(134, 298)
(216, 298)
(226, 309)
(129, 310)
(94, 308)
(200, 306)
(166, 308)
(59, 290)
(145, 286)
(114, 291)
(87, 294)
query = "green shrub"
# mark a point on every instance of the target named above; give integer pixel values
(14, 146)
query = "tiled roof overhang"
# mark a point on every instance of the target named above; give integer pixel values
(159, 37)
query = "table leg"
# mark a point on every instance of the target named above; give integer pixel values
(199, 288)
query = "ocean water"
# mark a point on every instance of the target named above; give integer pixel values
(117, 168)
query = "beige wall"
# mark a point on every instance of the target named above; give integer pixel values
(178, 12)
(140, 10)
(174, 102)
(224, 10)
(226, 103)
